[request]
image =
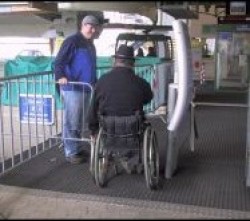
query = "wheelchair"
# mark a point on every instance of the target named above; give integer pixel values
(134, 135)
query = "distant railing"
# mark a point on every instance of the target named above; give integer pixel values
(33, 119)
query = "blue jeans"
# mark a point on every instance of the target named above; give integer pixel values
(76, 104)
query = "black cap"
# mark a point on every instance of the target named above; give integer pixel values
(125, 52)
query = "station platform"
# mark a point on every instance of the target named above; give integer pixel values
(209, 182)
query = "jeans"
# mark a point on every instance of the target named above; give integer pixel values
(76, 104)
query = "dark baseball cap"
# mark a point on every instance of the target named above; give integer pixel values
(90, 19)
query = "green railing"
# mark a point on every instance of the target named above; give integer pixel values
(37, 72)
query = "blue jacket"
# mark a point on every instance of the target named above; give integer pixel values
(76, 60)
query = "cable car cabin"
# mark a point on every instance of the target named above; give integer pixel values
(162, 45)
(156, 50)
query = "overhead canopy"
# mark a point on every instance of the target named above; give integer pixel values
(16, 18)
(33, 19)
(136, 7)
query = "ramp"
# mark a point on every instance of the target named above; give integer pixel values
(213, 176)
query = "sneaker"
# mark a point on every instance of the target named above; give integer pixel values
(130, 169)
(75, 159)
(139, 168)
(84, 154)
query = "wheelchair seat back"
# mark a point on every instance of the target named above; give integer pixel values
(121, 126)
(122, 131)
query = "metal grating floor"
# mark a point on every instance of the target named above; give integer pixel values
(211, 176)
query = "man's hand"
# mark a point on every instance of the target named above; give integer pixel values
(63, 80)
(93, 137)
(92, 140)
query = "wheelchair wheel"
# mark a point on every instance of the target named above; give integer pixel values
(92, 160)
(101, 160)
(151, 158)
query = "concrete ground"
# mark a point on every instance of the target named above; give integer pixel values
(24, 203)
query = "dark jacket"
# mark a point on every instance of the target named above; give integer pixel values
(76, 60)
(119, 92)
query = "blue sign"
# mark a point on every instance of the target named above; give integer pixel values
(225, 36)
(36, 109)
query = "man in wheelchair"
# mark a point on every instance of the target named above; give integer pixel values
(117, 106)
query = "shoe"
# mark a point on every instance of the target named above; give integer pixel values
(75, 159)
(130, 169)
(126, 167)
(139, 168)
(84, 154)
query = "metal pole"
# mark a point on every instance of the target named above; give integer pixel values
(248, 143)
(192, 134)
(1, 130)
(1, 88)
(170, 153)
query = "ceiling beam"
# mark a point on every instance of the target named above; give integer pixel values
(44, 7)
(39, 7)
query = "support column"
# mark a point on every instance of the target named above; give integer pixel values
(171, 148)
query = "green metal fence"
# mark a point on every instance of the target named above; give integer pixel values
(40, 73)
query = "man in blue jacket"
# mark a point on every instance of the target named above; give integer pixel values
(76, 62)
